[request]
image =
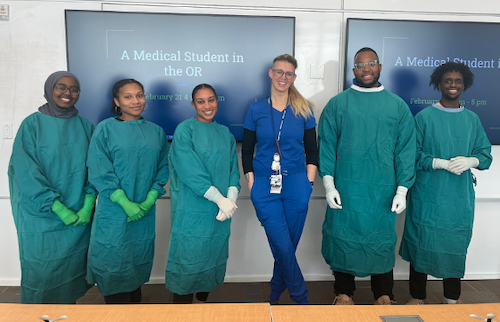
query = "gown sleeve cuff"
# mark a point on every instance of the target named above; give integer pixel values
(212, 194)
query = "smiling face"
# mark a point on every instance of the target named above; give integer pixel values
(66, 99)
(367, 76)
(205, 104)
(281, 82)
(451, 85)
(131, 101)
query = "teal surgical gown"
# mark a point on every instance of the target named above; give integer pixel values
(367, 144)
(48, 163)
(202, 155)
(440, 211)
(133, 156)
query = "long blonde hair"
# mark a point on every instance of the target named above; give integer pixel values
(300, 105)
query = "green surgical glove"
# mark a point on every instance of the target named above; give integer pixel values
(150, 200)
(85, 213)
(132, 209)
(67, 216)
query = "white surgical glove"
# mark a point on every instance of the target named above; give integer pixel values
(221, 216)
(440, 164)
(399, 201)
(227, 206)
(332, 194)
(232, 193)
(461, 164)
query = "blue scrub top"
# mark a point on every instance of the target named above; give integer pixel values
(293, 160)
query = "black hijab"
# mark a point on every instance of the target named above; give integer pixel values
(50, 108)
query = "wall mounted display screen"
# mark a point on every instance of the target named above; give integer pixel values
(410, 50)
(172, 53)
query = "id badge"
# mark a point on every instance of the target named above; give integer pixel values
(275, 166)
(276, 183)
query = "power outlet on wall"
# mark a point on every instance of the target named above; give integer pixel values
(7, 131)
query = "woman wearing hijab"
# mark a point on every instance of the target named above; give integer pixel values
(52, 200)
(128, 164)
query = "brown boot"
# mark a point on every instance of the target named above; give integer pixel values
(343, 299)
(383, 300)
(413, 301)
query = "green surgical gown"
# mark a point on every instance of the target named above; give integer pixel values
(367, 144)
(48, 163)
(202, 155)
(440, 214)
(132, 156)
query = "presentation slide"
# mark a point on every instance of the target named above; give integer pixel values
(172, 53)
(410, 50)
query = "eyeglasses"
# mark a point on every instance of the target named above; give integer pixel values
(61, 88)
(371, 63)
(279, 73)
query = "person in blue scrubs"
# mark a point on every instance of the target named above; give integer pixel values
(204, 187)
(52, 200)
(281, 175)
(440, 215)
(128, 164)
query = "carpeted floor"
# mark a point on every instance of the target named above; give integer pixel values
(483, 291)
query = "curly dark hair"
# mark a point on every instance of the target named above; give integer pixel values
(461, 68)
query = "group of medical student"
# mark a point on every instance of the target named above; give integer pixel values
(371, 154)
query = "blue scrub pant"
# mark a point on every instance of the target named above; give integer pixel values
(283, 217)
